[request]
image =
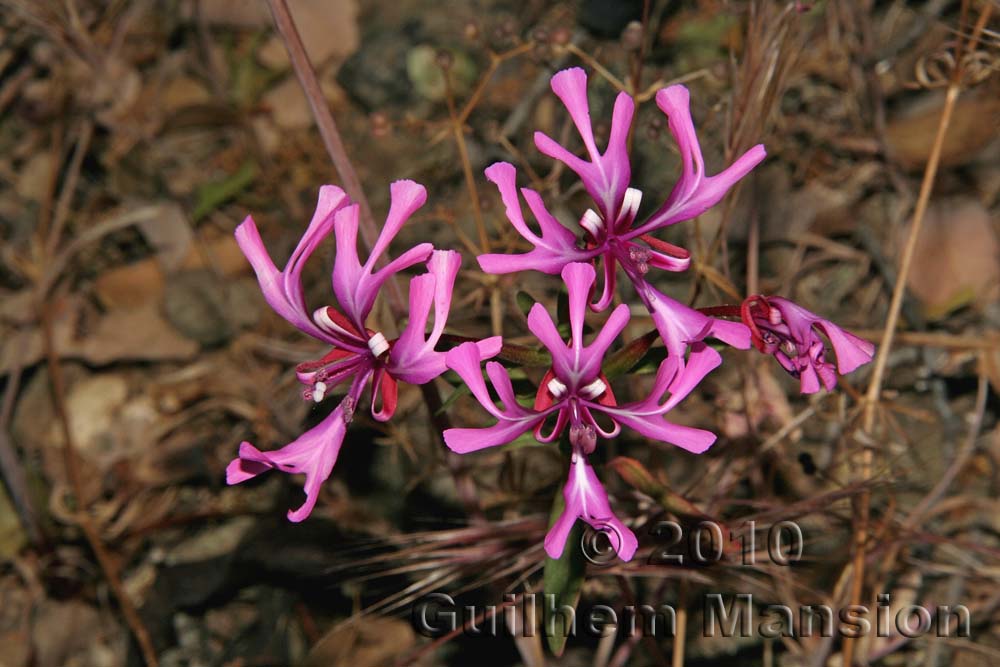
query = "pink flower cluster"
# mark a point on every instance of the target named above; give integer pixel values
(574, 390)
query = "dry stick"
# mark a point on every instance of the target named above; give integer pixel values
(895, 305)
(72, 462)
(457, 128)
(69, 187)
(680, 635)
(11, 471)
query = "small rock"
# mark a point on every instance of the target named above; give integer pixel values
(972, 127)
(329, 30)
(423, 67)
(375, 76)
(607, 18)
(289, 106)
(182, 93)
(204, 308)
(957, 258)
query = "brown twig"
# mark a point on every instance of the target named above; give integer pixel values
(72, 462)
(882, 358)
(11, 471)
(61, 213)
(458, 130)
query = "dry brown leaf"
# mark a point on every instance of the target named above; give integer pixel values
(957, 258)
(328, 27)
(973, 124)
(123, 334)
(372, 643)
(144, 281)
(169, 233)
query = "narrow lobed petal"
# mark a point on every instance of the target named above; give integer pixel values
(606, 176)
(552, 250)
(283, 289)
(587, 499)
(695, 191)
(313, 454)
(355, 285)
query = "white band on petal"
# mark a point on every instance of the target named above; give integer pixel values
(323, 320)
(592, 222)
(630, 204)
(556, 388)
(319, 391)
(594, 389)
(378, 344)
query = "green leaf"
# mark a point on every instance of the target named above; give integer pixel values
(640, 478)
(524, 356)
(622, 361)
(213, 195)
(563, 580)
(524, 302)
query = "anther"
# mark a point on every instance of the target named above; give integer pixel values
(592, 222)
(319, 391)
(640, 257)
(594, 389)
(378, 344)
(556, 388)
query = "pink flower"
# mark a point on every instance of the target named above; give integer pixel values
(791, 334)
(611, 232)
(359, 355)
(574, 390)
(586, 499)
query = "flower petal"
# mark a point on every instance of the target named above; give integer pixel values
(283, 289)
(695, 191)
(606, 176)
(552, 250)
(680, 325)
(355, 285)
(313, 453)
(586, 499)
(541, 325)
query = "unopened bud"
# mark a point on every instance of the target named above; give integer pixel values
(632, 36)
(583, 436)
